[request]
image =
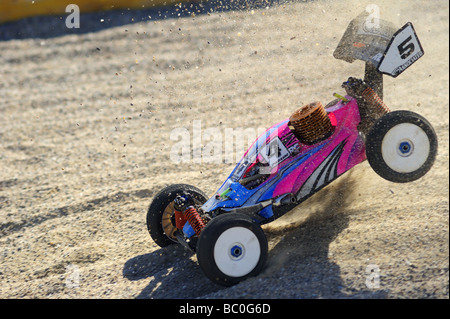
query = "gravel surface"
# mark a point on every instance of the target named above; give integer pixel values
(85, 129)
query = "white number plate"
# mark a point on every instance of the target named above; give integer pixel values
(403, 50)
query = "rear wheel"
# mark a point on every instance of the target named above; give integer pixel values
(160, 216)
(231, 248)
(401, 146)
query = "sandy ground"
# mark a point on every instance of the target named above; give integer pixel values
(85, 130)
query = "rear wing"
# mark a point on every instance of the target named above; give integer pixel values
(378, 42)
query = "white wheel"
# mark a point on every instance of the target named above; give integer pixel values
(237, 252)
(401, 146)
(405, 148)
(231, 248)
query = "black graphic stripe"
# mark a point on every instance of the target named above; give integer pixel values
(323, 174)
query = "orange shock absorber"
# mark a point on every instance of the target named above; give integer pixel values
(193, 217)
(372, 98)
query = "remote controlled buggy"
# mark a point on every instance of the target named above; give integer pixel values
(297, 157)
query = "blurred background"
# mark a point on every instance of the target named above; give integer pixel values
(11, 10)
(21, 19)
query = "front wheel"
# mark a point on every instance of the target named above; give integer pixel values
(231, 248)
(161, 223)
(401, 146)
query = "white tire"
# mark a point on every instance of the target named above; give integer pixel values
(231, 248)
(401, 146)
